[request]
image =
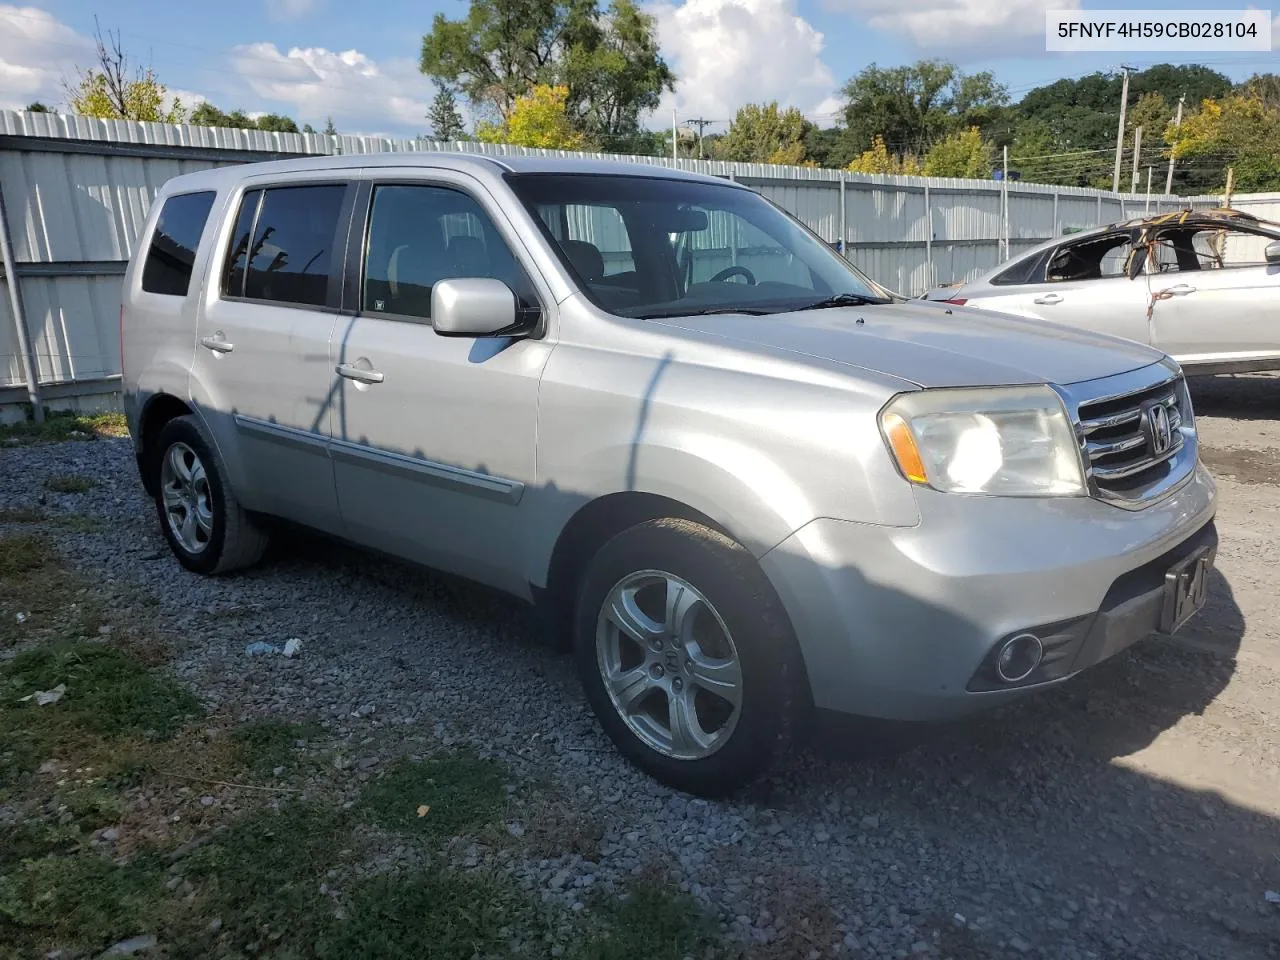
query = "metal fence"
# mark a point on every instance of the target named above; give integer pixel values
(75, 192)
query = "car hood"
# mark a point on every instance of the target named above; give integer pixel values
(931, 346)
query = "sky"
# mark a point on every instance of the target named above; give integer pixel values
(358, 62)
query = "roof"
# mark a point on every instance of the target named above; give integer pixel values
(475, 163)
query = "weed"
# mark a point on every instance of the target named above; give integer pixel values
(69, 483)
(262, 876)
(60, 425)
(652, 923)
(263, 746)
(21, 515)
(25, 553)
(82, 899)
(460, 792)
(438, 915)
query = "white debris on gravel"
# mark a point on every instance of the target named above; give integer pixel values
(1015, 832)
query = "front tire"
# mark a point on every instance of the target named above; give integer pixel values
(687, 657)
(200, 517)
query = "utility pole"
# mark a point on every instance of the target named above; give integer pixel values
(700, 124)
(1231, 181)
(1137, 154)
(1004, 196)
(1168, 180)
(1147, 209)
(675, 135)
(1124, 106)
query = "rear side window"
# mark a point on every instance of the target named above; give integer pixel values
(289, 257)
(172, 254)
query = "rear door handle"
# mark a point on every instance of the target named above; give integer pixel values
(1180, 290)
(1049, 298)
(217, 344)
(352, 372)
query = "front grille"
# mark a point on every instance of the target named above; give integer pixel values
(1132, 442)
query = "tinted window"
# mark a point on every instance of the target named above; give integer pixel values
(233, 271)
(421, 235)
(1024, 271)
(173, 245)
(291, 256)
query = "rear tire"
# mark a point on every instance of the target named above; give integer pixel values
(207, 529)
(703, 688)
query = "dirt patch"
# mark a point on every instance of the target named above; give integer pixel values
(1248, 466)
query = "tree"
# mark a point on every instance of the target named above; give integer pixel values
(37, 107)
(446, 121)
(879, 160)
(1264, 86)
(963, 154)
(107, 92)
(615, 74)
(913, 107)
(539, 119)
(764, 134)
(207, 115)
(308, 128)
(608, 62)
(329, 129)
(1238, 131)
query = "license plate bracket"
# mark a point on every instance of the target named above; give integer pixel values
(1186, 588)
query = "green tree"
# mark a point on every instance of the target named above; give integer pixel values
(107, 92)
(329, 129)
(446, 121)
(764, 134)
(207, 115)
(1264, 86)
(607, 61)
(963, 154)
(912, 107)
(879, 159)
(37, 107)
(1237, 131)
(540, 119)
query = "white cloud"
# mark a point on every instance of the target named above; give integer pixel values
(360, 94)
(289, 10)
(992, 27)
(36, 52)
(727, 53)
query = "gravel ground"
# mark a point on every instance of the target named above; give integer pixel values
(1131, 813)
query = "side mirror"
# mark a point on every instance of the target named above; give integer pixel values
(1273, 252)
(473, 307)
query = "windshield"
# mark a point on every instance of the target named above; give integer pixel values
(650, 247)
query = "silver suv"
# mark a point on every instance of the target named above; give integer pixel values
(744, 481)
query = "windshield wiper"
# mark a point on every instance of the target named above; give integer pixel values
(704, 312)
(843, 300)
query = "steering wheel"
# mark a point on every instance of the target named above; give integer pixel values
(734, 271)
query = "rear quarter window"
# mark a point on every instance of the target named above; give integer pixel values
(172, 254)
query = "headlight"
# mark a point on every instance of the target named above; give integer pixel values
(1000, 441)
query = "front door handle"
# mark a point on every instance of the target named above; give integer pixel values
(1180, 290)
(1049, 298)
(352, 372)
(216, 343)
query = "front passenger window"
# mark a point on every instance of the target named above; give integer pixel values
(420, 235)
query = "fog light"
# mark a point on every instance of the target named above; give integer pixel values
(1018, 657)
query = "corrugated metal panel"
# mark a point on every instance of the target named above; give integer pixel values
(91, 205)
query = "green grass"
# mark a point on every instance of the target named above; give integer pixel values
(462, 792)
(82, 901)
(24, 553)
(69, 483)
(60, 425)
(652, 923)
(263, 746)
(442, 916)
(109, 696)
(22, 515)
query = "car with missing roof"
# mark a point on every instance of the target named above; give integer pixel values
(744, 482)
(1202, 286)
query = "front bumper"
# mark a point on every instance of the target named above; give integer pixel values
(902, 623)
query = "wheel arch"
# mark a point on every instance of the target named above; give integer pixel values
(159, 409)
